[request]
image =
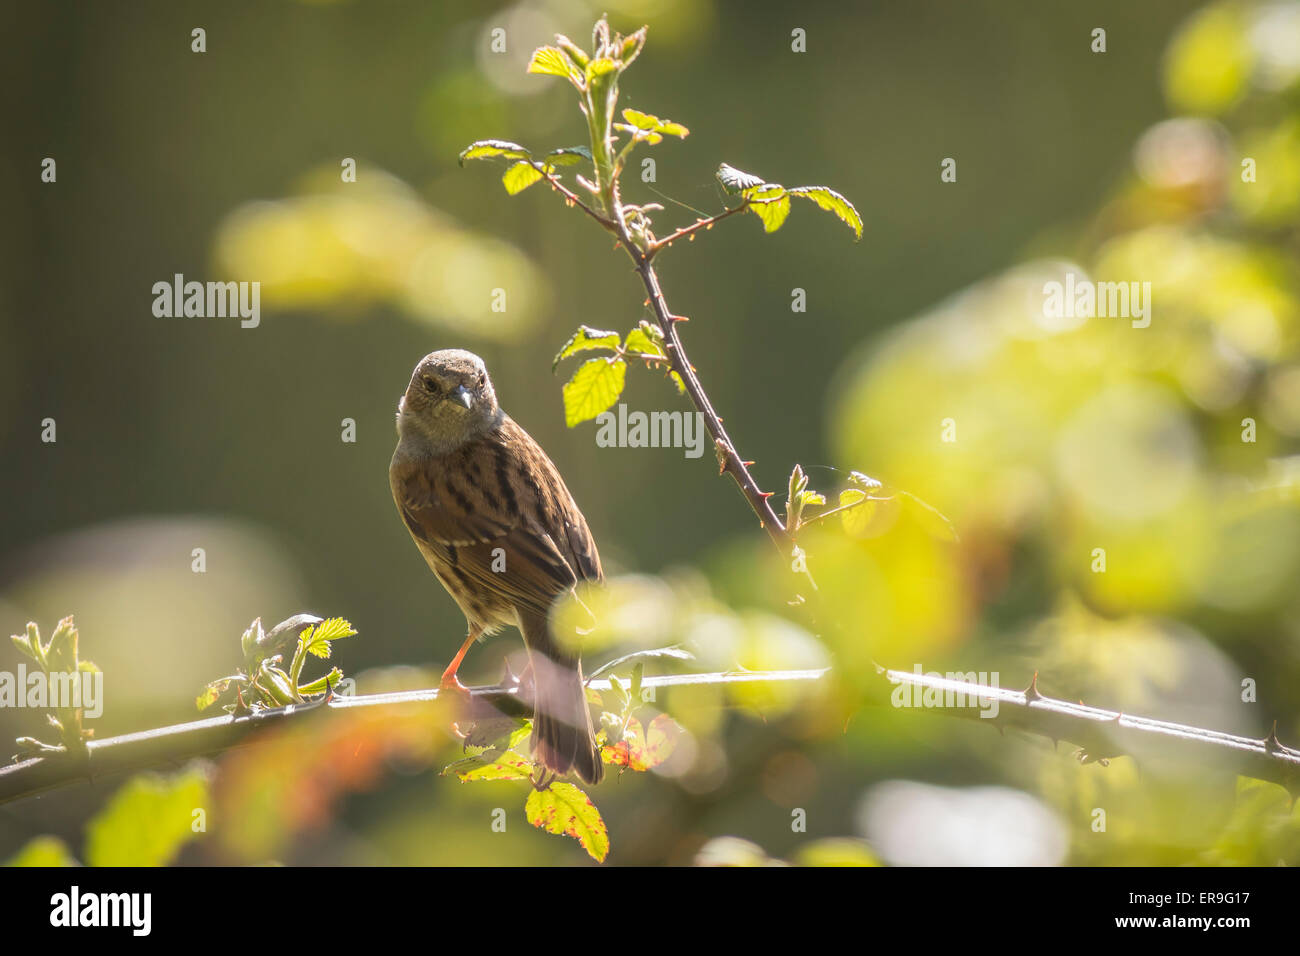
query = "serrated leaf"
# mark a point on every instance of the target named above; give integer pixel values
(520, 176)
(641, 748)
(322, 684)
(771, 203)
(508, 766)
(565, 810)
(147, 820)
(595, 386)
(735, 181)
(549, 61)
(860, 511)
(335, 628)
(575, 53)
(24, 645)
(316, 639)
(492, 149)
(831, 201)
(585, 339)
(651, 128)
(645, 340)
(312, 644)
(568, 156)
(866, 481)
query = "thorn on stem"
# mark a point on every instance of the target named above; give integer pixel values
(1031, 692)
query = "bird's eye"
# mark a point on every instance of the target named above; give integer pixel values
(482, 377)
(431, 386)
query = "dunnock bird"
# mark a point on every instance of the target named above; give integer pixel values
(492, 517)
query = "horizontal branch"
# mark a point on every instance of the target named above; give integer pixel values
(1102, 734)
(169, 745)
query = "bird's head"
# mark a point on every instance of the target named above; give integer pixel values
(450, 400)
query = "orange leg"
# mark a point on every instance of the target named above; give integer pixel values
(449, 680)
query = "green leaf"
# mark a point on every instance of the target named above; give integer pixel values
(212, 693)
(734, 181)
(61, 652)
(147, 821)
(645, 339)
(584, 340)
(549, 61)
(565, 810)
(575, 53)
(508, 766)
(24, 645)
(322, 684)
(43, 851)
(861, 510)
(493, 148)
(771, 203)
(595, 386)
(335, 628)
(677, 380)
(831, 201)
(520, 176)
(568, 156)
(649, 128)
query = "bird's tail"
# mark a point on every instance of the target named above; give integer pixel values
(563, 737)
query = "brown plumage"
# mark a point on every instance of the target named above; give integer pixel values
(491, 515)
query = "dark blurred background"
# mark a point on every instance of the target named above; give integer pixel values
(175, 433)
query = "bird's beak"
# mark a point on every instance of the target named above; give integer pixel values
(462, 395)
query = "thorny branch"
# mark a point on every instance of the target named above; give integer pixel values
(168, 745)
(1100, 734)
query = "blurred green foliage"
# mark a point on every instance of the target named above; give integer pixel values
(1070, 435)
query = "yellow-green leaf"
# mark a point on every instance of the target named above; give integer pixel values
(584, 340)
(549, 61)
(832, 201)
(568, 156)
(148, 820)
(565, 810)
(492, 149)
(771, 203)
(520, 176)
(335, 628)
(43, 851)
(509, 766)
(860, 511)
(645, 339)
(595, 386)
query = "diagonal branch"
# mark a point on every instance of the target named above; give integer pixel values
(573, 199)
(1102, 734)
(729, 459)
(695, 227)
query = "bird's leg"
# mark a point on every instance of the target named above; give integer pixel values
(449, 680)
